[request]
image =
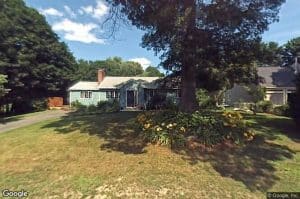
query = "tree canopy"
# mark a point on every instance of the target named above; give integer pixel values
(152, 72)
(35, 62)
(290, 50)
(270, 54)
(210, 43)
(114, 66)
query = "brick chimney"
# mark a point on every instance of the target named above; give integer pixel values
(101, 75)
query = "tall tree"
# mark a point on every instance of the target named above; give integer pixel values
(202, 38)
(114, 66)
(35, 62)
(270, 54)
(290, 50)
(151, 71)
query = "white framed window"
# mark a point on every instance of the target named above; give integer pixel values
(113, 94)
(86, 94)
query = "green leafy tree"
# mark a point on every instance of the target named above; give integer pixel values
(270, 54)
(3, 80)
(257, 93)
(290, 50)
(115, 66)
(36, 64)
(151, 71)
(214, 41)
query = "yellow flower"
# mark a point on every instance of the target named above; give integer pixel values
(245, 134)
(163, 124)
(174, 124)
(147, 125)
(182, 129)
(169, 126)
(158, 129)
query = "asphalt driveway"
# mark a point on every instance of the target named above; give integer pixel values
(31, 119)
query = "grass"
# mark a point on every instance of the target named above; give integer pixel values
(103, 155)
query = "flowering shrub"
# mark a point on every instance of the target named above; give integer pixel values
(210, 128)
(161, 128)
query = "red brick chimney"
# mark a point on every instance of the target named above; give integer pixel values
(101, 75)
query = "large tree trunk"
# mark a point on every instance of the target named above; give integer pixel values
(188, 102)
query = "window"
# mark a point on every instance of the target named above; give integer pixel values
(86, 94)
(112, 94)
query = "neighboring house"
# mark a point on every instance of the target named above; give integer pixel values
(278, 82)
(131, 92)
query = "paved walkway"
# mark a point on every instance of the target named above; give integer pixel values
(31, 119)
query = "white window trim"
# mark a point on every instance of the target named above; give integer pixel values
(87, 94)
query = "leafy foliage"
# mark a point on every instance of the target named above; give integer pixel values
(283, 110)
(3, 80)
(204, 99)
(258, 94)
(214, 42)
(102, 107)
(210, 128)
(264, 107)
(87, 70)
(270, 54)
(152, 72)
(290, 50)
(35, 62)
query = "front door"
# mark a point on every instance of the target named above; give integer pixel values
(130, 98)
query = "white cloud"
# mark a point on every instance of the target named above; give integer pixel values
(51, 12)
(100, 10)
(70, 11)
(143, 61)
(97, 12)
(78, 31)
(87, 9)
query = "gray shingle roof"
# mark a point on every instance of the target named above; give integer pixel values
(276, 76)
(110, 82)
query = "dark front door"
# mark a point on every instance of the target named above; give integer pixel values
(130, 98)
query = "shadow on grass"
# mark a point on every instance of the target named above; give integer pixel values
(273, 126)
(252, 164)
(4, 120)
(117, 129)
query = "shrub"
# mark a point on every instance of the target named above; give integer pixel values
(283, 110)
(264, 106)
(91, 108)
(210, 128)
(158, 101)
(204, 100)
(79, 106)
(39, 104)
(108, 106)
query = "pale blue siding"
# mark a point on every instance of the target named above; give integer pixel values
(97, 96)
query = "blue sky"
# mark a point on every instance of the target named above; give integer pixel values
(78, 24)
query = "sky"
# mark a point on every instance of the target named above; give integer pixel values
(78, 23)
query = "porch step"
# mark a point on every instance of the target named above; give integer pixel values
(131, 109)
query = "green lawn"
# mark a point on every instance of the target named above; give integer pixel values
(102, 155)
